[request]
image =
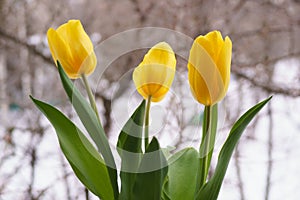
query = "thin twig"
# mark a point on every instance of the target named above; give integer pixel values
(270, 154)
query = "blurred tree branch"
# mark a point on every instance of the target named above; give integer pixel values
(268, 87)
(275, 89)
(248, 23)
(31, 48)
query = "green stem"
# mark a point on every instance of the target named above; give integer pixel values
(90, 94)
(209, 128)
(146, 127)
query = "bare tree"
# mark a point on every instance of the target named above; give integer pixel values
(266, 52)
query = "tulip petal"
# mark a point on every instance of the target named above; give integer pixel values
(89, 64)
(209, 67)
(212, 43)
(82, 48)
(154, 75)
(50, 37)
(204, 76)
(60, 50)
(153, 79)
(73, 48)
(161, 53)
(224, 62)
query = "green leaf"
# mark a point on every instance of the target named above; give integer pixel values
(83, 157)
(130, 150)
(164, 195)
(182, 175)
(92, 125)
(211, 189)
(152, 173)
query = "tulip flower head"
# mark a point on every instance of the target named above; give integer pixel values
(154, 75)
(72, 47)
(209, 67)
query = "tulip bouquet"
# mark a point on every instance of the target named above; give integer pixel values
(146, 172)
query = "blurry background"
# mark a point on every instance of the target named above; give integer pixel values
(266, 61)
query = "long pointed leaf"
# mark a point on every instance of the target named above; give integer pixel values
(211, 189)
(92, 125)
(83, 157)
(182, 175)
(130, 150)
(152, 173)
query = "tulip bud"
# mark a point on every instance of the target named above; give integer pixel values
(154, 75)
(72, 47)
(209, 67)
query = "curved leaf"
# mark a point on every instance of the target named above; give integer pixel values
(182, 175)
(152, 173)
(92, 125)
(83, 157)
(211, 189)
(130, 150)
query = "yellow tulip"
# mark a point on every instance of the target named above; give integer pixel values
(154, 75)
(72, 47)
(209, 67)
